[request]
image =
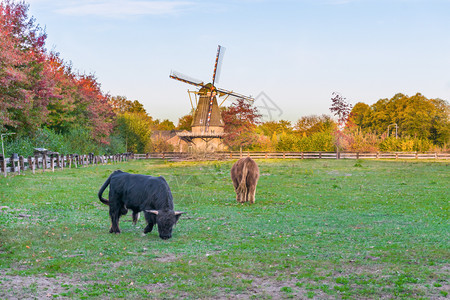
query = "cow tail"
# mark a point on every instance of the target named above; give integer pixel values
(242, 188)
(102, 189)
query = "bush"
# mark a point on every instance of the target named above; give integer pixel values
(43, 138)
(78, 140)
(405, 144)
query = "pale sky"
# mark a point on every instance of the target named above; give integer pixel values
(295, 52)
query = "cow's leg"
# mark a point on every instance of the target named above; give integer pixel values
(251, 192)
(135, 217)
(242, 196)
(114, 213)
(149, 218)
(239, 196)
(236, 185)
(116, 208)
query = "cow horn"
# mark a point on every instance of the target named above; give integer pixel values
(152, 211)
(179, 213)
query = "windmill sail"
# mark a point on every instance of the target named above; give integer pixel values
(234, 94)
(218, 64)
(187, 79)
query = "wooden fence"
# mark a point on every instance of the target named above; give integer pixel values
(19, 164)
(293, 155)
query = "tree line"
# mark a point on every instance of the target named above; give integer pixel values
(47, 103)
(402, 123)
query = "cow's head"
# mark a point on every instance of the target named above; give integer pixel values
(165, 220)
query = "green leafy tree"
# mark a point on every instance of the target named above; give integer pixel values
(360, 115)
(415, 116)
(135, 130)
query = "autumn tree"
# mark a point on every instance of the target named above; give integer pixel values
(165, 125)
(241, 119)
(270, 127)
(24, 87)
(121, 104)
(341, 109)
(37, 89)
(308, 125)
(185, 123)
(92, 107)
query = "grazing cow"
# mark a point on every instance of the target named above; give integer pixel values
(140, 193)
(245, 174)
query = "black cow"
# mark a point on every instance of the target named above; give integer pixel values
(140, 193)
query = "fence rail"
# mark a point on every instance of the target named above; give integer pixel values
(19, 164)
(294, 155)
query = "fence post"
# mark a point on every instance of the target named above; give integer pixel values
(13, 159)
(303, 156)
(3, 165)
(52, 162)
(31, 163)
(320, 155)
(357, 155)
(21, 164)
(36, 159)
(396, 155)
(417, 154)
(284, 155)
(44, 162)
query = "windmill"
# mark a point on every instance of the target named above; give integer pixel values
(207, 124)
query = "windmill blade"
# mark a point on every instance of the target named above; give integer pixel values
(218, 64)
(236, 95)
(184, 78)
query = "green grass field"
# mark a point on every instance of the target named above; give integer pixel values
(320, 229)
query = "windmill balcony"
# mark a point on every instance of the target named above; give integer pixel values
(201, 134)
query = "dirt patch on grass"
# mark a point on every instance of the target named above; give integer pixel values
(35, 287)
(272, 288)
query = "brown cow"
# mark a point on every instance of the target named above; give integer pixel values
(245, 174)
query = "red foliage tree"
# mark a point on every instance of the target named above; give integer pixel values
(341, 109)
(240, 119)
(93, 107)
(25, 88)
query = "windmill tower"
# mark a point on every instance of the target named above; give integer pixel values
(207, 125)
